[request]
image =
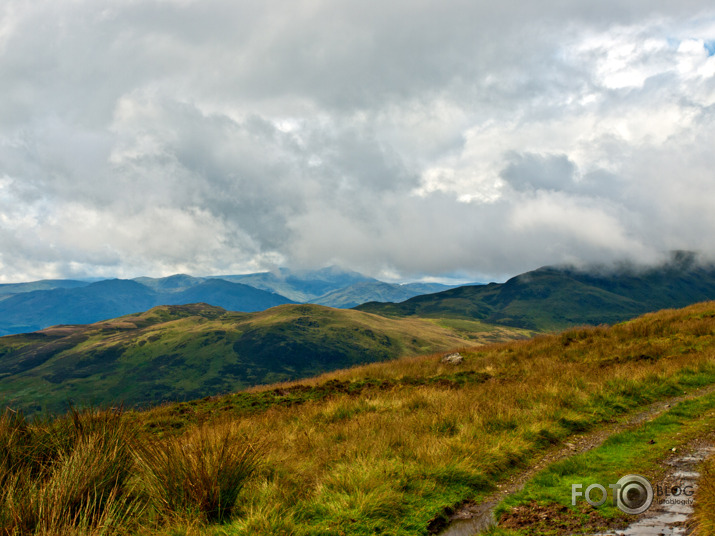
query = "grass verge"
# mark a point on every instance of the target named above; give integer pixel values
(703, 519)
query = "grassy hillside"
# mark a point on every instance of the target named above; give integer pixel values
(387, 448)
(185, 352)
(557, 298)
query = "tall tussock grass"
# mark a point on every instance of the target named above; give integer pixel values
(91, 473)
(69, 475)
(199, 475)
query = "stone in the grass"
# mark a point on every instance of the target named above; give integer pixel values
(453, 359)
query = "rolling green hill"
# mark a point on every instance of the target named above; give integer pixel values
(556, 298)
(193, 351)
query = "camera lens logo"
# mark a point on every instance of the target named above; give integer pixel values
(633, 494)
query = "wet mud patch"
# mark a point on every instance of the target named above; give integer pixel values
(556, 519)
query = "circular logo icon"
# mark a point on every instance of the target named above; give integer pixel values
(634, 494)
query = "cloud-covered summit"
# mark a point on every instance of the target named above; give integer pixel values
(398, 138)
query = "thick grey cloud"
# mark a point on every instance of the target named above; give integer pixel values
(400, 138)
(527, 171)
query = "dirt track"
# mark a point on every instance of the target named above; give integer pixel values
(471, 518)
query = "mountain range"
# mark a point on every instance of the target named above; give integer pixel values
(27, 307)
(176, 351)
(31, 311)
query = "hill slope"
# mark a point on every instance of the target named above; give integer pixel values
(393, 447)
(192, 351)
(555, 298)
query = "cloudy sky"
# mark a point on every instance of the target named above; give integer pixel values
(399, 138)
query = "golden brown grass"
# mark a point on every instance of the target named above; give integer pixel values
(90, 473)
(66, 476)
(391, 459)
(704, 515)
(198, 475)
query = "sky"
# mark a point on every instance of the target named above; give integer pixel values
(401, 139)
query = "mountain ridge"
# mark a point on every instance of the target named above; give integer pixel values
(552, 298)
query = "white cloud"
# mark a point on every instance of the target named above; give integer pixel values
(402, 138)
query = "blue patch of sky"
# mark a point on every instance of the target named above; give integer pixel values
(673, 42)
(710, 47)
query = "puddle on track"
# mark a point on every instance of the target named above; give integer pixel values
(482, 520)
